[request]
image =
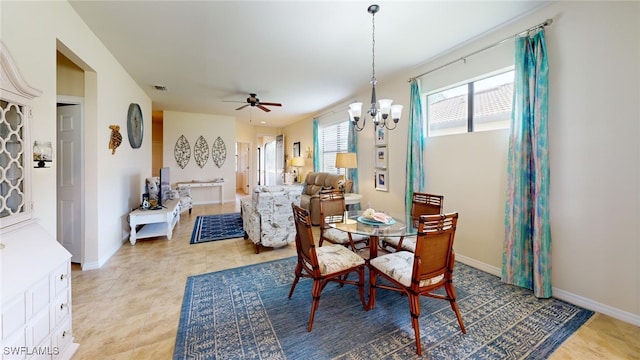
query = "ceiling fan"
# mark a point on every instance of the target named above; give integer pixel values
(253, 100)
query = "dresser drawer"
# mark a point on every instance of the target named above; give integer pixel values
(60, 309)
(61, 339)
(60, 278)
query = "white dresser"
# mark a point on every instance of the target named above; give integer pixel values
(36, 295)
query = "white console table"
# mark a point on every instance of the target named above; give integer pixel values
(201, 184)
(155, 222)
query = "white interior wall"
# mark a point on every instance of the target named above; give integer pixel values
(192, 126)
(594, 154)
(593, 132)
(31, 31)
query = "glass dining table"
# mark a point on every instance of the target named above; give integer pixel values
(355, 224)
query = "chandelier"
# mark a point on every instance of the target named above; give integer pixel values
(382, 116)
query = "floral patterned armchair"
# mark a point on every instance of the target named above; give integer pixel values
(267, 217)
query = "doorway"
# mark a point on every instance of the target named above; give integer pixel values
(70, 182)
(270, 160)
(242, 168)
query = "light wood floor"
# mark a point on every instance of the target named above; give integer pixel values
(130, 308)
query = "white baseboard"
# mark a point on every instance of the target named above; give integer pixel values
(562, 294)
(90, 266)
(596, 306)
(479, 265)
(97, 265)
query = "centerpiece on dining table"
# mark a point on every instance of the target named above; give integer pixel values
(372, 217)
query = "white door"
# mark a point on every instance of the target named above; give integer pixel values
(69, 173)
(279, 159)
(242, 178)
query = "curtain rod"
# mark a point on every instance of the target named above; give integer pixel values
(464, 58)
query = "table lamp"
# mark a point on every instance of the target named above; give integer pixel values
(296, 163)
(347, 161)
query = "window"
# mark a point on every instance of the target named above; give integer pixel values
(333, 139)
(453, 111)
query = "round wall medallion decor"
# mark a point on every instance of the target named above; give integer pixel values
(182, 151)
(218, 152)
(201, 151)
(135, 125)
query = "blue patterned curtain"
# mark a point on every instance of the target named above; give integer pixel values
(526, 257)
(352, 146)
(316, 147)
(415, 147)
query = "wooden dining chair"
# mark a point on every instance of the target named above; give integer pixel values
(421, 204)
(422, 272)
(323, 264)
(332, 210)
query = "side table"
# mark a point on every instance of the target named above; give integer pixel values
(352, 198)
(155, 222)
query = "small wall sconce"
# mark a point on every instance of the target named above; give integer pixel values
(309, 152)
(42, 153)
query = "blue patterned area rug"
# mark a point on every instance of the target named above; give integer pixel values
(244, 313)
(217, 227)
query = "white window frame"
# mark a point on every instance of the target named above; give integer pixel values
(470, 121)
(328, 151)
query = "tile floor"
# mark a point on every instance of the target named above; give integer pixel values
(130, 308)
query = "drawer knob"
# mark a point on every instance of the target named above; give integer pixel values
(64, 334)
(64, 305)
(63, 276)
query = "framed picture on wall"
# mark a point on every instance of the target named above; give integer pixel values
(381, 136)
(381, 157)
(296, 149)
(382, 180)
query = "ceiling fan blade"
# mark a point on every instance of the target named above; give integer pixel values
(242, 107)
(259, 106)
(270, 103)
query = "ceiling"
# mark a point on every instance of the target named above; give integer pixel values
(307, 55)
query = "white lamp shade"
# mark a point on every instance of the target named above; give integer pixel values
(297, 161)
(396, 111)
(355, 110)
(346, 160)
(385, 106)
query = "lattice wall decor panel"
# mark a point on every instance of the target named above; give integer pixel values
(12, 159)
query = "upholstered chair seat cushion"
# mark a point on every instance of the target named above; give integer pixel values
(408, 242)
(341, 237)
(335, 258)
(399, 266)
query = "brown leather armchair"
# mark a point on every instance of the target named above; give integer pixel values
(313, 184)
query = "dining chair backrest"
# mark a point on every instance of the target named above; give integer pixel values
(434, 246)
(305, 245)
(332, 208)
(425, 204)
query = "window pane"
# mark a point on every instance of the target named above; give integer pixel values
(447, 111)
(333, 139)
(492, 101)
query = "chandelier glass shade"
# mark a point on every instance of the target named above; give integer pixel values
(386, 113)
